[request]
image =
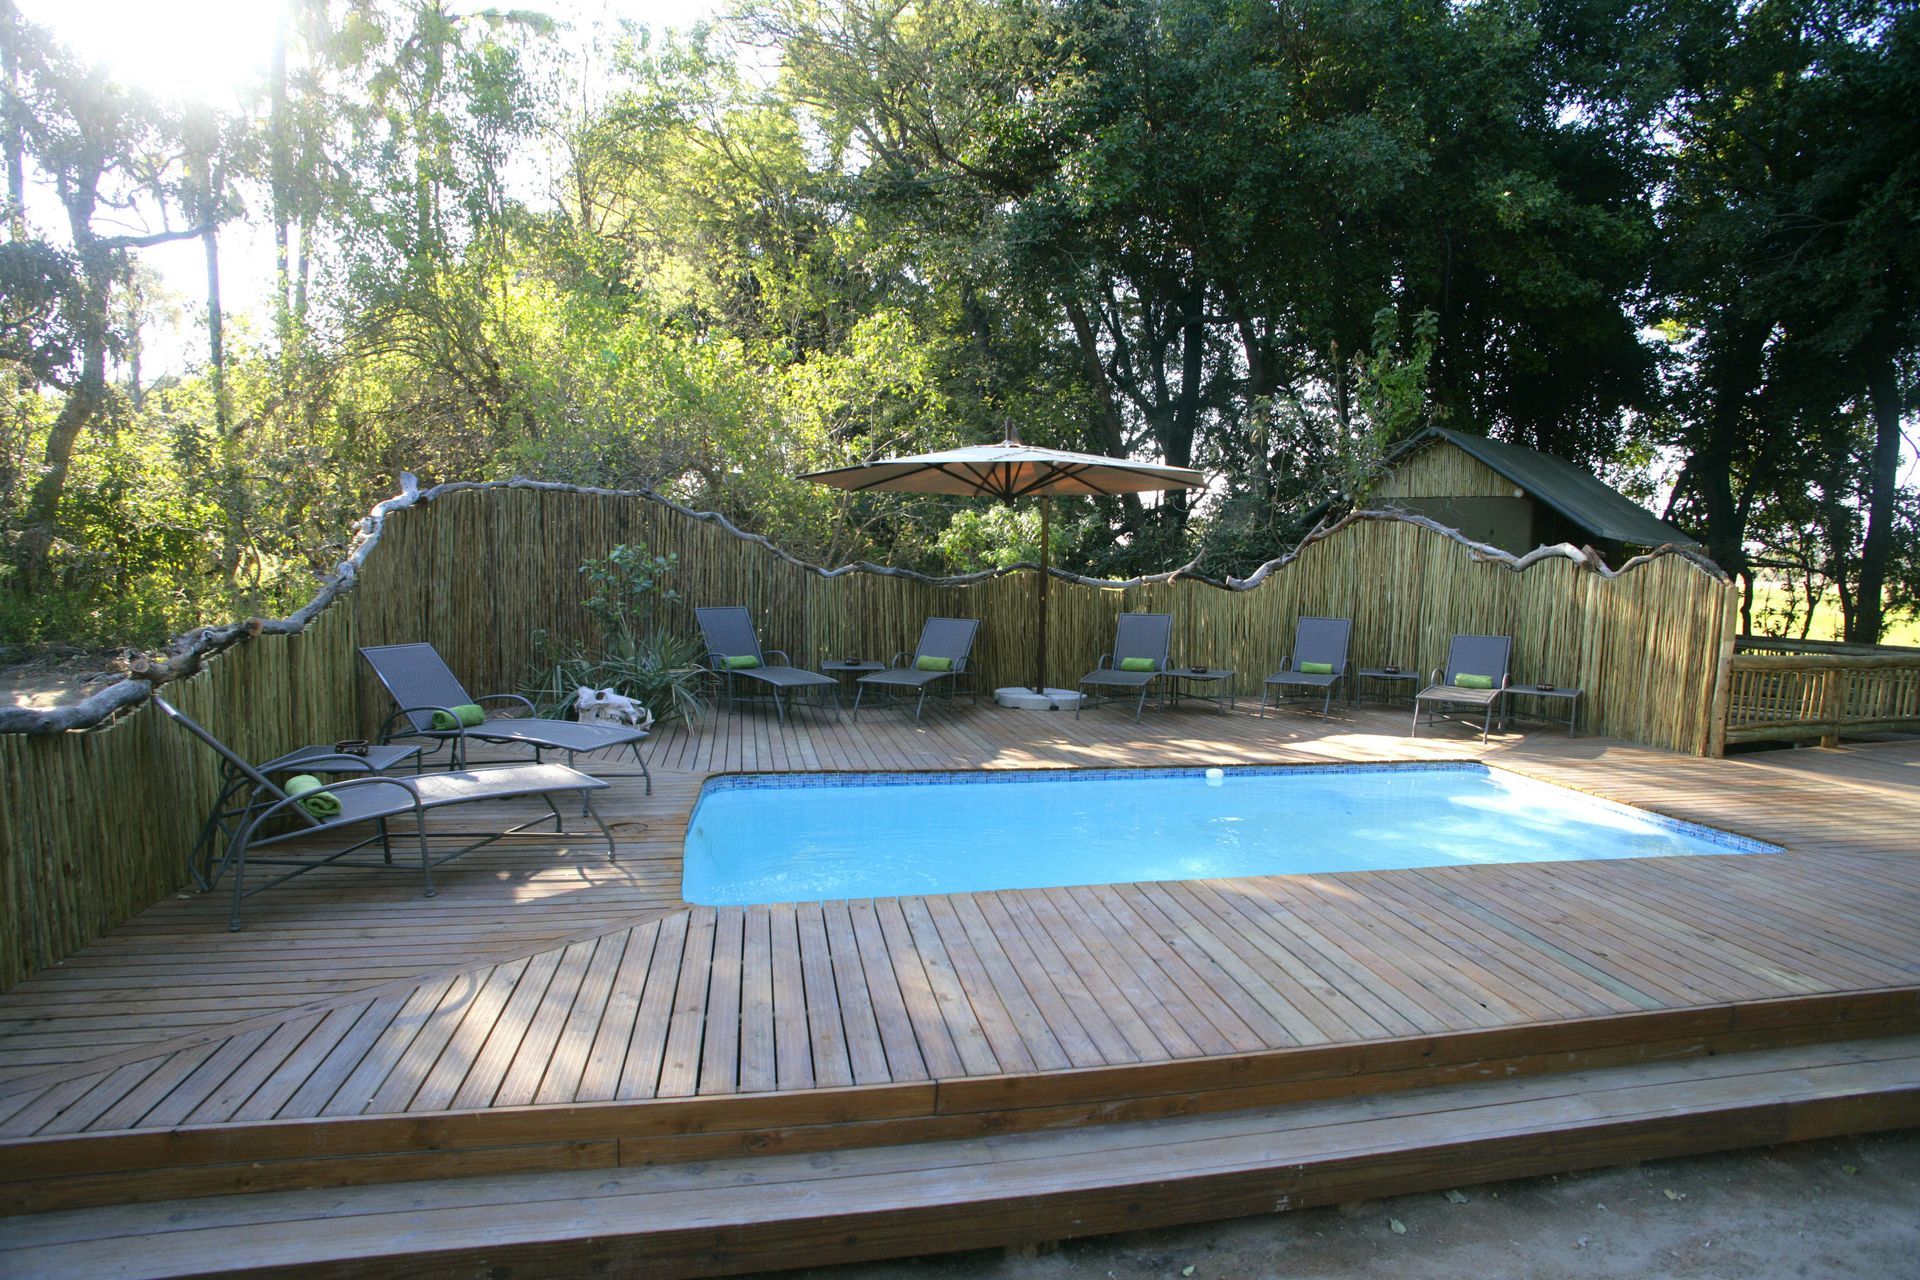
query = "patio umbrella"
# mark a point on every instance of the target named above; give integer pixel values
(1010, 471)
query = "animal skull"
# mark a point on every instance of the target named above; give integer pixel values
(604, 706)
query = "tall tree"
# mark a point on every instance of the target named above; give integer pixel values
(92, 140)
(1791, 260)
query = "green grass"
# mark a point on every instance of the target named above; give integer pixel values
(1770, 609)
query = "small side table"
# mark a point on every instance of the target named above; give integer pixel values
(855, 670)
(1178, 678)
(1390, 676)
(1570, 696)
(838, 668)
(239, 796)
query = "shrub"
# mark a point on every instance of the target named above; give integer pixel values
(656, 667)
(639, 657)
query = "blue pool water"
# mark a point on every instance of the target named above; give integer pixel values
(804, 838)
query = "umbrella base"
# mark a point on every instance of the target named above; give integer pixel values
(1022, 698)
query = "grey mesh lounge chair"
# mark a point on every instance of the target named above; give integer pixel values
(1468, 655)
(1140, 636)
(950, 639)
(729, 634)
(274, 817)
(1318, 641)
(421, 683)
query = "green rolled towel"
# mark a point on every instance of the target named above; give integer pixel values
(464, 716)
(927, 662)
(1316, 668)
(312, 795)
(1465, 681)
(1137, 664)
(740, 661)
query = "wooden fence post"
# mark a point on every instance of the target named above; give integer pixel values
(1833, 707)
(1719, 698)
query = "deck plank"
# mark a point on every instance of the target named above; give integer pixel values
(719, 1070)
(903, 1059)
(826, 1028)
(680, 1049)
(567, 1067)
(933, 1038)
(534, 1054)
(759, 1062)
(792, 1045)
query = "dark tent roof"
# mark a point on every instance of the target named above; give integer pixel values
(1579, 496)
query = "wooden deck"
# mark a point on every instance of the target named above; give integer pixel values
(549, 1010)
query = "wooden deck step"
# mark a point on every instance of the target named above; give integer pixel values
(729, 1216)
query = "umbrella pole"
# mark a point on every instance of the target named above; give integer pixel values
(1040, 642)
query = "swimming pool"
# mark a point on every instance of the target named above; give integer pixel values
(809, 837)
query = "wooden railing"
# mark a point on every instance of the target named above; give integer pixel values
(1774, 697)
(1821, 648)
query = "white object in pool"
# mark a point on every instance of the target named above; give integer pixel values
(1216, 776)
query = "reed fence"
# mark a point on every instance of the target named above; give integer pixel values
(98, 822)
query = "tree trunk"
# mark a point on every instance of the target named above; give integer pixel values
(1868, 619)
(1193, 356)
(282, 182)
(1342, 397)
(1193, 374)
(16, 143)
(1733, 372)
(1263, 377)
(83, 404)
(304, 272)
(1107, 422)
(426, 195)
(136, 354)
(216, 323)
(93, 324)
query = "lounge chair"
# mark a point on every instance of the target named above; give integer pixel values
(424, 687)
(1472, 658)
(945, 646)
(1317, 643)
(1140, 645)
(733, 651)
(275, 816)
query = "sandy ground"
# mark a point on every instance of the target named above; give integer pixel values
(1848, 1207)
(53, 680)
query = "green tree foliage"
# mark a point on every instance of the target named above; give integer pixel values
(1791, 266)
(1267, 238)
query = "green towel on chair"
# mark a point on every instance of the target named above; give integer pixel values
(930, 663)
(1316, 668)
(1138, 664)
(740, 661)
(311, 794)
(1465, 681)
(464, 716)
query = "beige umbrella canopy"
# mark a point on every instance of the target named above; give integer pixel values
(1010, 471)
